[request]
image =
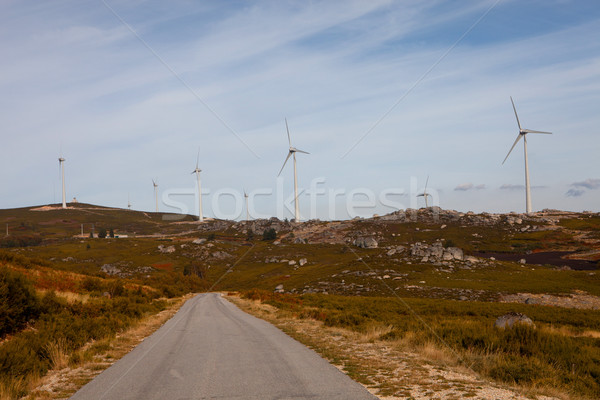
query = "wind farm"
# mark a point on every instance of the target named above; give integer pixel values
(345, 275)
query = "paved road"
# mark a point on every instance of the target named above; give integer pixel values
(212, 350)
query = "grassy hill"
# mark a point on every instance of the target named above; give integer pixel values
(455, 269)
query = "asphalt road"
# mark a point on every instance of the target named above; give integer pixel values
(212, 350)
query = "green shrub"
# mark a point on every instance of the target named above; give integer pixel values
(269, 234)
(18, 301)
(20, 241)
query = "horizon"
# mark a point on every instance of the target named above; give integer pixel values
(382, 94)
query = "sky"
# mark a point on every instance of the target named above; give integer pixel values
(386, 96)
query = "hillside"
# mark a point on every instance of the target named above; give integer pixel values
(353, 274)
(429, 252)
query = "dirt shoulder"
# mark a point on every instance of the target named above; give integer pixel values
(389, 370)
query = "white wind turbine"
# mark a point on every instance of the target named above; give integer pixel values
(197, 172)
(292, 153)
(61, 165)
(522, 134)
(425, 194)
(155, 193)
(247, 209)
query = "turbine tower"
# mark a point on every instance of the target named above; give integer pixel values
(197, 172)
(247, 210)
(425, 194)
(61, 165)
(155, 193)
(522, 134)
(292, 153)
(128, 202)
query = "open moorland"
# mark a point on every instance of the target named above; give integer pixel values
(427, 284)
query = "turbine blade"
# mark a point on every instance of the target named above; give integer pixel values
(513, 146)
(301, 151)
(198, 157)
(426, 182)
(288, 132)
(515, 109)
(421, 195)
(530, 131)
(286, 160)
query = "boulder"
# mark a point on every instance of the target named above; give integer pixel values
(455, 253)
(391, 252)
(300, 241)
(279, 288)
(166, 249)
(512, 318)
(366, 242)
(302, 261)
(110, 269)
(199, 241)
(292, 262)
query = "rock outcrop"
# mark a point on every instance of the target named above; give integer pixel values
(366, 242)
(510, 319)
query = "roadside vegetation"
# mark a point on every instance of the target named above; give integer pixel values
(561, 353)
(49, 318)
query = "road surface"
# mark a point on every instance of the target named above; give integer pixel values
(212, 350)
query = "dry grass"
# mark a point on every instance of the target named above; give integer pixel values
(10, 388)
(375, 332)
(70, 297)
(403, 368)
(58, 352)
(566, 331)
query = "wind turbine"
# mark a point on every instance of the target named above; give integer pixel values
(197, 172)
(61, 165)
(247, 210)
(292, 153)
(128, 202)
(425, 194)
(155, 193)
(522, 134)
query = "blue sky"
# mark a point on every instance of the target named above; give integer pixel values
(381, 93)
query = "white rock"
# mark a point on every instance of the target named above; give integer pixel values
(302, 261)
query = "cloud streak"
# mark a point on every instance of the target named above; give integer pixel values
(463, 187)
(591, 184)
